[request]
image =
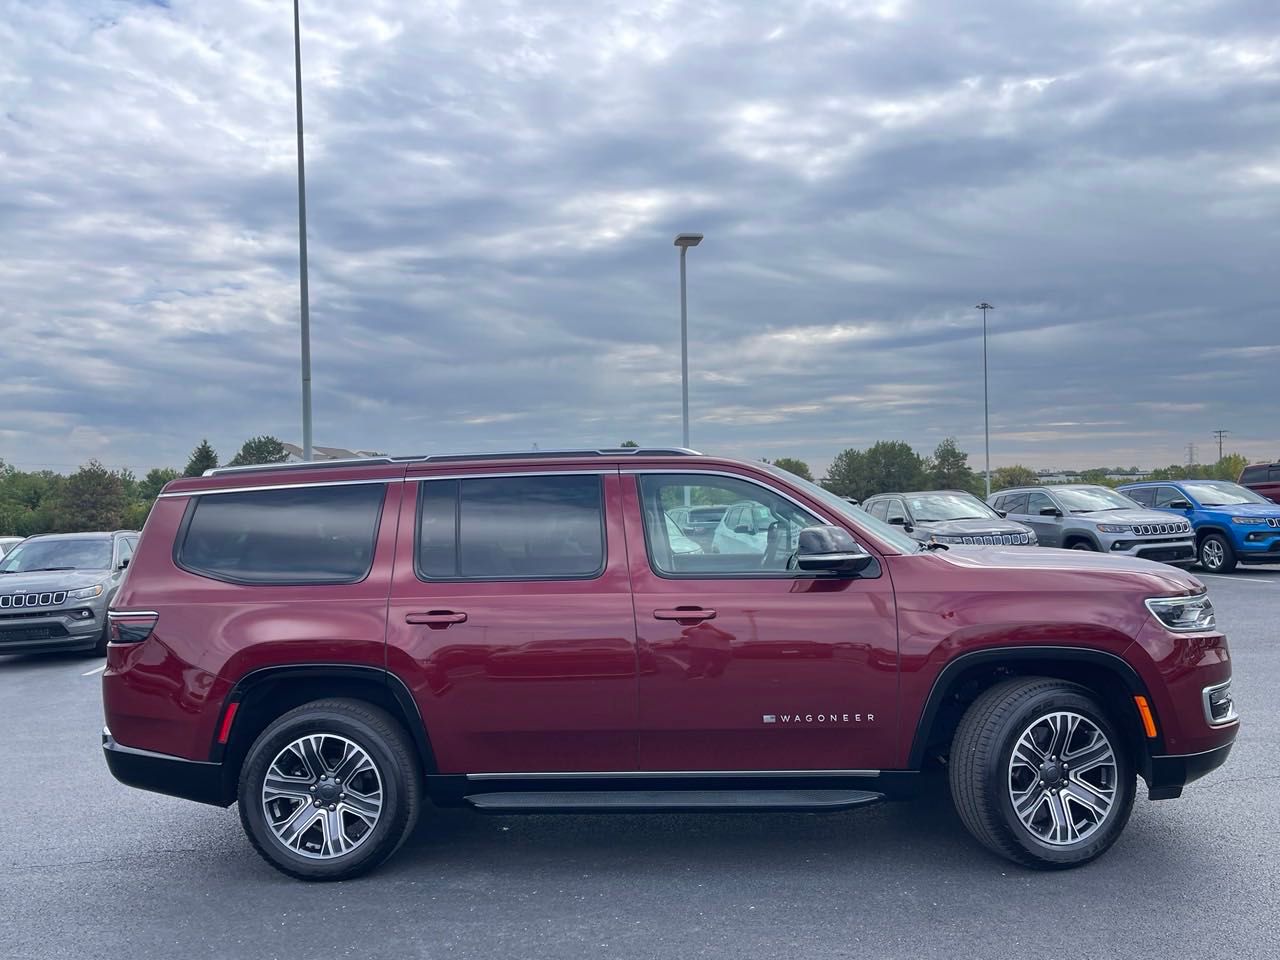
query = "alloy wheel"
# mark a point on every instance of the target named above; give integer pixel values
(1063, 776)
(1212, 555)
(322, 796)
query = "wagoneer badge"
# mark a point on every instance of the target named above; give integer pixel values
(803, 718)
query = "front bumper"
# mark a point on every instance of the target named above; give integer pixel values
(1169, 774)
(162, 773)
(43, 631)
(1161, 549)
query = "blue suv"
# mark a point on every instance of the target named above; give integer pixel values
(1232, 523)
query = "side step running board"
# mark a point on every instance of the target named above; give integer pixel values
(634, 801)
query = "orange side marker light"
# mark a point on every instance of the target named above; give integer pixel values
(1148, 720)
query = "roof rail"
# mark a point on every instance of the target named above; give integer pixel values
(457, 457)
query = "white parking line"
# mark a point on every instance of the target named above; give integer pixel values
(1227, 576)
(90, 673)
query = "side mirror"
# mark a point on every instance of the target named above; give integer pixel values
(1050, 512)
(831, 550)
(1179, 505)
(898, 521)
(1003, 514)
(124, 563)
(743, 528)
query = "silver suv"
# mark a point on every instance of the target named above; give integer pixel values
(1081, 516)
(55, 590)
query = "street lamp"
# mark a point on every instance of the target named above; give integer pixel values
(684, 241)
(302, 243)
(986, 405)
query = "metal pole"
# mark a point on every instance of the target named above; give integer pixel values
(986, 403)
(302, 243)
(684, 352)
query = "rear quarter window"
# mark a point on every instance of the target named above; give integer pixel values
(1255, 475)
(304, 535)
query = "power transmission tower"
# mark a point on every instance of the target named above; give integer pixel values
(1191, 454)
(1220, 434)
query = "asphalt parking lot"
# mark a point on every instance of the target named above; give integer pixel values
(90, 868)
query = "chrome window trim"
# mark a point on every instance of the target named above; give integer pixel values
(506, 474)
(279, 486)
(654, 774)
(675, 471)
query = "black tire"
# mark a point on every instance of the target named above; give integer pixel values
(1218, 546)
(99, 649)
(1083, 545)
(980, 778)
(391, 753)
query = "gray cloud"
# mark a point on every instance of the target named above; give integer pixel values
(493, 189)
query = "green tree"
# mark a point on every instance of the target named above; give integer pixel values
(203, 458)
(262, 449)
(792, 465)
(1229, 467)
(93, 498)
(1015, 476)
(628, 444)
(884, 466)
(847, 473)
(135, 514)
(154, 482)
(949, 469)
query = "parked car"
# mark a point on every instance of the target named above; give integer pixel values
(678, 541)
(948, 516)
(752, 528)
(698, 523)
(55, 590)
(1262, 478)
(8, 543)
(1082, 516)
(330, 644)
(1232, 524)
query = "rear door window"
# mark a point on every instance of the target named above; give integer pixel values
(1167, 495)
(1143, 495)
(1036, 502)
(301, 535)
(511, 528)
(1015, 503)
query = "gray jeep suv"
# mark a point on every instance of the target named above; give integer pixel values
(55, 590)
(947, 516)
(1081, 516)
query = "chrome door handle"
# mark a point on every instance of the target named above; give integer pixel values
(685, 614)
(436, 618)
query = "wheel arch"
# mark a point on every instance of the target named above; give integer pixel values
(267, 693)
(964, 678)
(1205, 529)
(1071, 536)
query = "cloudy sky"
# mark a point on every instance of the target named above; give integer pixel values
(493, 189)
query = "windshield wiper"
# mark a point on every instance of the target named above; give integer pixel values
(42, 570)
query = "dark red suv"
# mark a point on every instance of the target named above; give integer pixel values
(1263, 479)
(332, 644)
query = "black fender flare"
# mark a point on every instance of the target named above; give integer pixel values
(1021, 655)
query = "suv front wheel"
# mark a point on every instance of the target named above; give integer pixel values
(1039, 774)
(330, 790)
(1216, 554)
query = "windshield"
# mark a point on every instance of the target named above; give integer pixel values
(845, 509)
(1091, 499)
(57, 555)
(1222, 493)
(933, 507)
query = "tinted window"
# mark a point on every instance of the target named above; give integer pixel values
(1275, 473)
(1143, 495)
(759, 534)
(894, 511)
(1015, 503)
(511, 528)
(1163, 496)
(1255, 474)
(879, 509)
(124, 551)
(1036, 502)
(303, 535)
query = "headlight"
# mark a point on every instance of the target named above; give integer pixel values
(937, 538)
(1183, 614)
(88, 593)
(1114, 528)
(1248, 521)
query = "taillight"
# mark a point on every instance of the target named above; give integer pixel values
(131, 626)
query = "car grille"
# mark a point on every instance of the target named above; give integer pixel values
(1160, 529)
(13, 601)
(1003, 538)
(1273, 521)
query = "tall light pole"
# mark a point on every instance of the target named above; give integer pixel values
(986, 404)
(302, 242)
(684, 241)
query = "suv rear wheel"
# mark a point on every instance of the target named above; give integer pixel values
(330, 790)
(1216, 554)
(1039, 774)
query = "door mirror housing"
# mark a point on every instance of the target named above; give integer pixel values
(1179, 504)
(1050, 512)
(743, 528)
(833, 550)
(1003, 514)
(124, 563)
(898, 521)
